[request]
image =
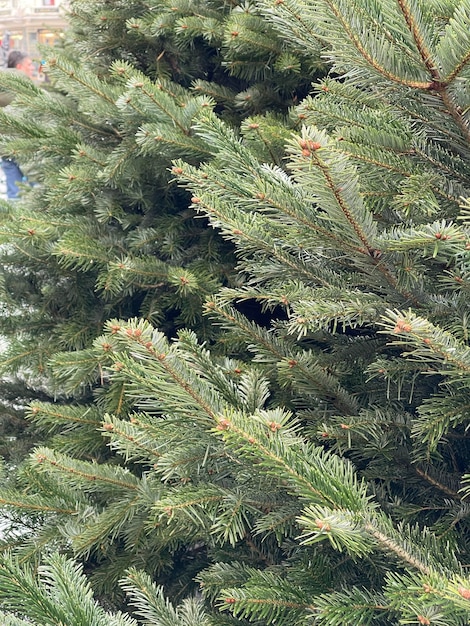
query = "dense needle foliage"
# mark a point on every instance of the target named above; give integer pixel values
(304, 466)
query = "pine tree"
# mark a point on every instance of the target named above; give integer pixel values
(105, 231)
(313, 470)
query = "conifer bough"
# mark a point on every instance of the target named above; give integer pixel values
(308, 466)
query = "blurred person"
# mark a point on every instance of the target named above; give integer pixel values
(17, 62)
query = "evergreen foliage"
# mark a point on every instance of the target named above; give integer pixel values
(308, 470)
(105, 231)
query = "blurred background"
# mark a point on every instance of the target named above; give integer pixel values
(27, 24)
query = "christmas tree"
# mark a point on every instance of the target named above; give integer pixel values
(312, 469)
(105, 231)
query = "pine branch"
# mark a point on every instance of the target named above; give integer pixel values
(429, 344)
(352, 607)
(88, 477)
(304, 370)
(60, 594)
(150, 603)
